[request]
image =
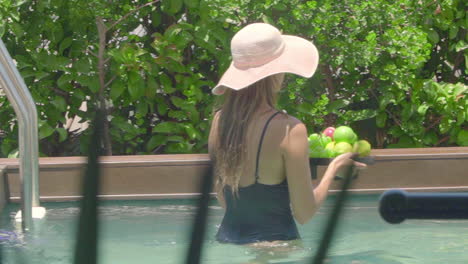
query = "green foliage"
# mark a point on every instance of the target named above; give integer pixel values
(401, 64)
(375, 57)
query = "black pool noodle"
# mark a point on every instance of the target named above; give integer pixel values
(395, 206)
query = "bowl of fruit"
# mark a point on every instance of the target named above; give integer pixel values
(332, 142)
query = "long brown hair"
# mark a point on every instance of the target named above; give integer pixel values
(235, 115)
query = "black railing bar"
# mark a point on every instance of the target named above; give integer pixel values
(86, 248)
(200, 222)
(334, 217)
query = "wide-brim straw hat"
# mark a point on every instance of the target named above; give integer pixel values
(260, 50)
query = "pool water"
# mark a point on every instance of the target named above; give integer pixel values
(158, 231)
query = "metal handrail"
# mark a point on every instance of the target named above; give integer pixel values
(25, 109)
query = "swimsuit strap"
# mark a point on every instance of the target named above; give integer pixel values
(260, 144)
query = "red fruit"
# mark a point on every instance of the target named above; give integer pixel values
(329, 131)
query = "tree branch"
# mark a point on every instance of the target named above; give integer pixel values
(60, 92)
(418, 10)
(397, 121)
(107, 60)
(442, 140)
(110, 81)
(456, 63)
(92, 53)
(131, 12)
(436, 122)
(330, 84)
(102, 31)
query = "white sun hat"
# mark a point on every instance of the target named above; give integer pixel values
(259, 50)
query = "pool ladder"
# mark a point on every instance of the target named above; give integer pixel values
(25, 109)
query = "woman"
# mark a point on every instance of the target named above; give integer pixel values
(261, 155)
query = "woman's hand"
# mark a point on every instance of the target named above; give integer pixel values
(342, 162)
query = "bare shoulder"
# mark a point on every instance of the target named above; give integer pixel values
(286, 120)
(291, 130)
(294, 145)
(290, 124)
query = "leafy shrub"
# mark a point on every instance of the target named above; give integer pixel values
(395, 71)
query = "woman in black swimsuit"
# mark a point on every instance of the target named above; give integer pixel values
(260, 154)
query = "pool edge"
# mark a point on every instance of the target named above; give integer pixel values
(178, 176)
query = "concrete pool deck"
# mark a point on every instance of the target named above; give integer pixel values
(178, 176)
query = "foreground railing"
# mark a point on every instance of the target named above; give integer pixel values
(86, 248)
(396, 205)
(26, 113)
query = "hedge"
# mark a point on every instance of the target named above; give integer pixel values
(393, 70)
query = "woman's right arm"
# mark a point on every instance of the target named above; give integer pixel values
(305, 199)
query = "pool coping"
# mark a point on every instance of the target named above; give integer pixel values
(178, 176)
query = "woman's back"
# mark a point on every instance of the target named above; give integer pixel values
(271, 163)
(260, 210)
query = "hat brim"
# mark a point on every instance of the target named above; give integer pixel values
(299, 57)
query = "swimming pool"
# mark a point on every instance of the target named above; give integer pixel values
(157, 232)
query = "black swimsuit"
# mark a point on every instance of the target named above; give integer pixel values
(261, 212)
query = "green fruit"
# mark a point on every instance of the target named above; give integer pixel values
(324, 140)
(344, 134)
(316, 152)
(342, 147)
(462, 138)
(314, 140)
(314, 155)
(362, 147)
(324, 153)
(355, 139)
(330, 148)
